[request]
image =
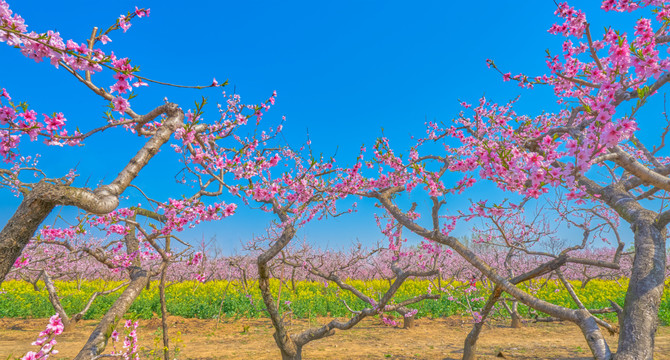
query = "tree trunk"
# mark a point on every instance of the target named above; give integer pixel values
(55, 300)
(44, 196)
(645, 288)
(593, 335)
(20, 229)
(244, 281)
(506, 285)
(639, 319)
(164, 315)
(514, 313)
(470, 345)
(98, 340)
(408, 322)
(516, 320)
(289, 350)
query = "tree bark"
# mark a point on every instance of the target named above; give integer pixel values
(470, 345)
(98, 340)
(593, 335)
(289, 352)
(20, 228)
(640, 312)
(44, 196)
(408, 322)
(55, 300)
(516, 319)
(68, 321)
(639, 319)
(164, 315)
(289, 349)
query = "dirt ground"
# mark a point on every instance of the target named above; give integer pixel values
(252, 339)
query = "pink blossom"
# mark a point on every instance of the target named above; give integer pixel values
(123, 23)
(142, 12)
(120, 104)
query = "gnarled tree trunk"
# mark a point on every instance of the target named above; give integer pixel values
(20, 228)
(514, 313)
(289, 349)
(639, 319)
(98, 340)
(645, 288)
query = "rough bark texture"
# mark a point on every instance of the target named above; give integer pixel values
(98, 340)
(593, 335)
(470, 345)
(516, 319)
(639, 319)
(164, 315)
(55, 300)
(293, 352)
(289, 349)
(19, 229)
(407, 322)
(643, 298)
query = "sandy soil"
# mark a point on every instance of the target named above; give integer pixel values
(252, 339)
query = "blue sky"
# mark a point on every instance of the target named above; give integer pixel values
(342, 70)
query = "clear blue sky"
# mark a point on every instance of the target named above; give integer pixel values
(342, 70)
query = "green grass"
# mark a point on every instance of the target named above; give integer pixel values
(309, 299)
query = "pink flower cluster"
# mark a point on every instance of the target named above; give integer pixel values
(46, 340)
(59, 52)
(19, 121)
(181, 213)
(130, 346)
(21, 261)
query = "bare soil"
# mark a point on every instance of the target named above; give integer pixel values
(252, 339)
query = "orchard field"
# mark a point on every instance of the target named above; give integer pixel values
(372, 179)
(219, 320)
(228, 300)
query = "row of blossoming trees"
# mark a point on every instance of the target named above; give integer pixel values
(591, 164)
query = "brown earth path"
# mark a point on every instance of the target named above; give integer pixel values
(252, 339)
